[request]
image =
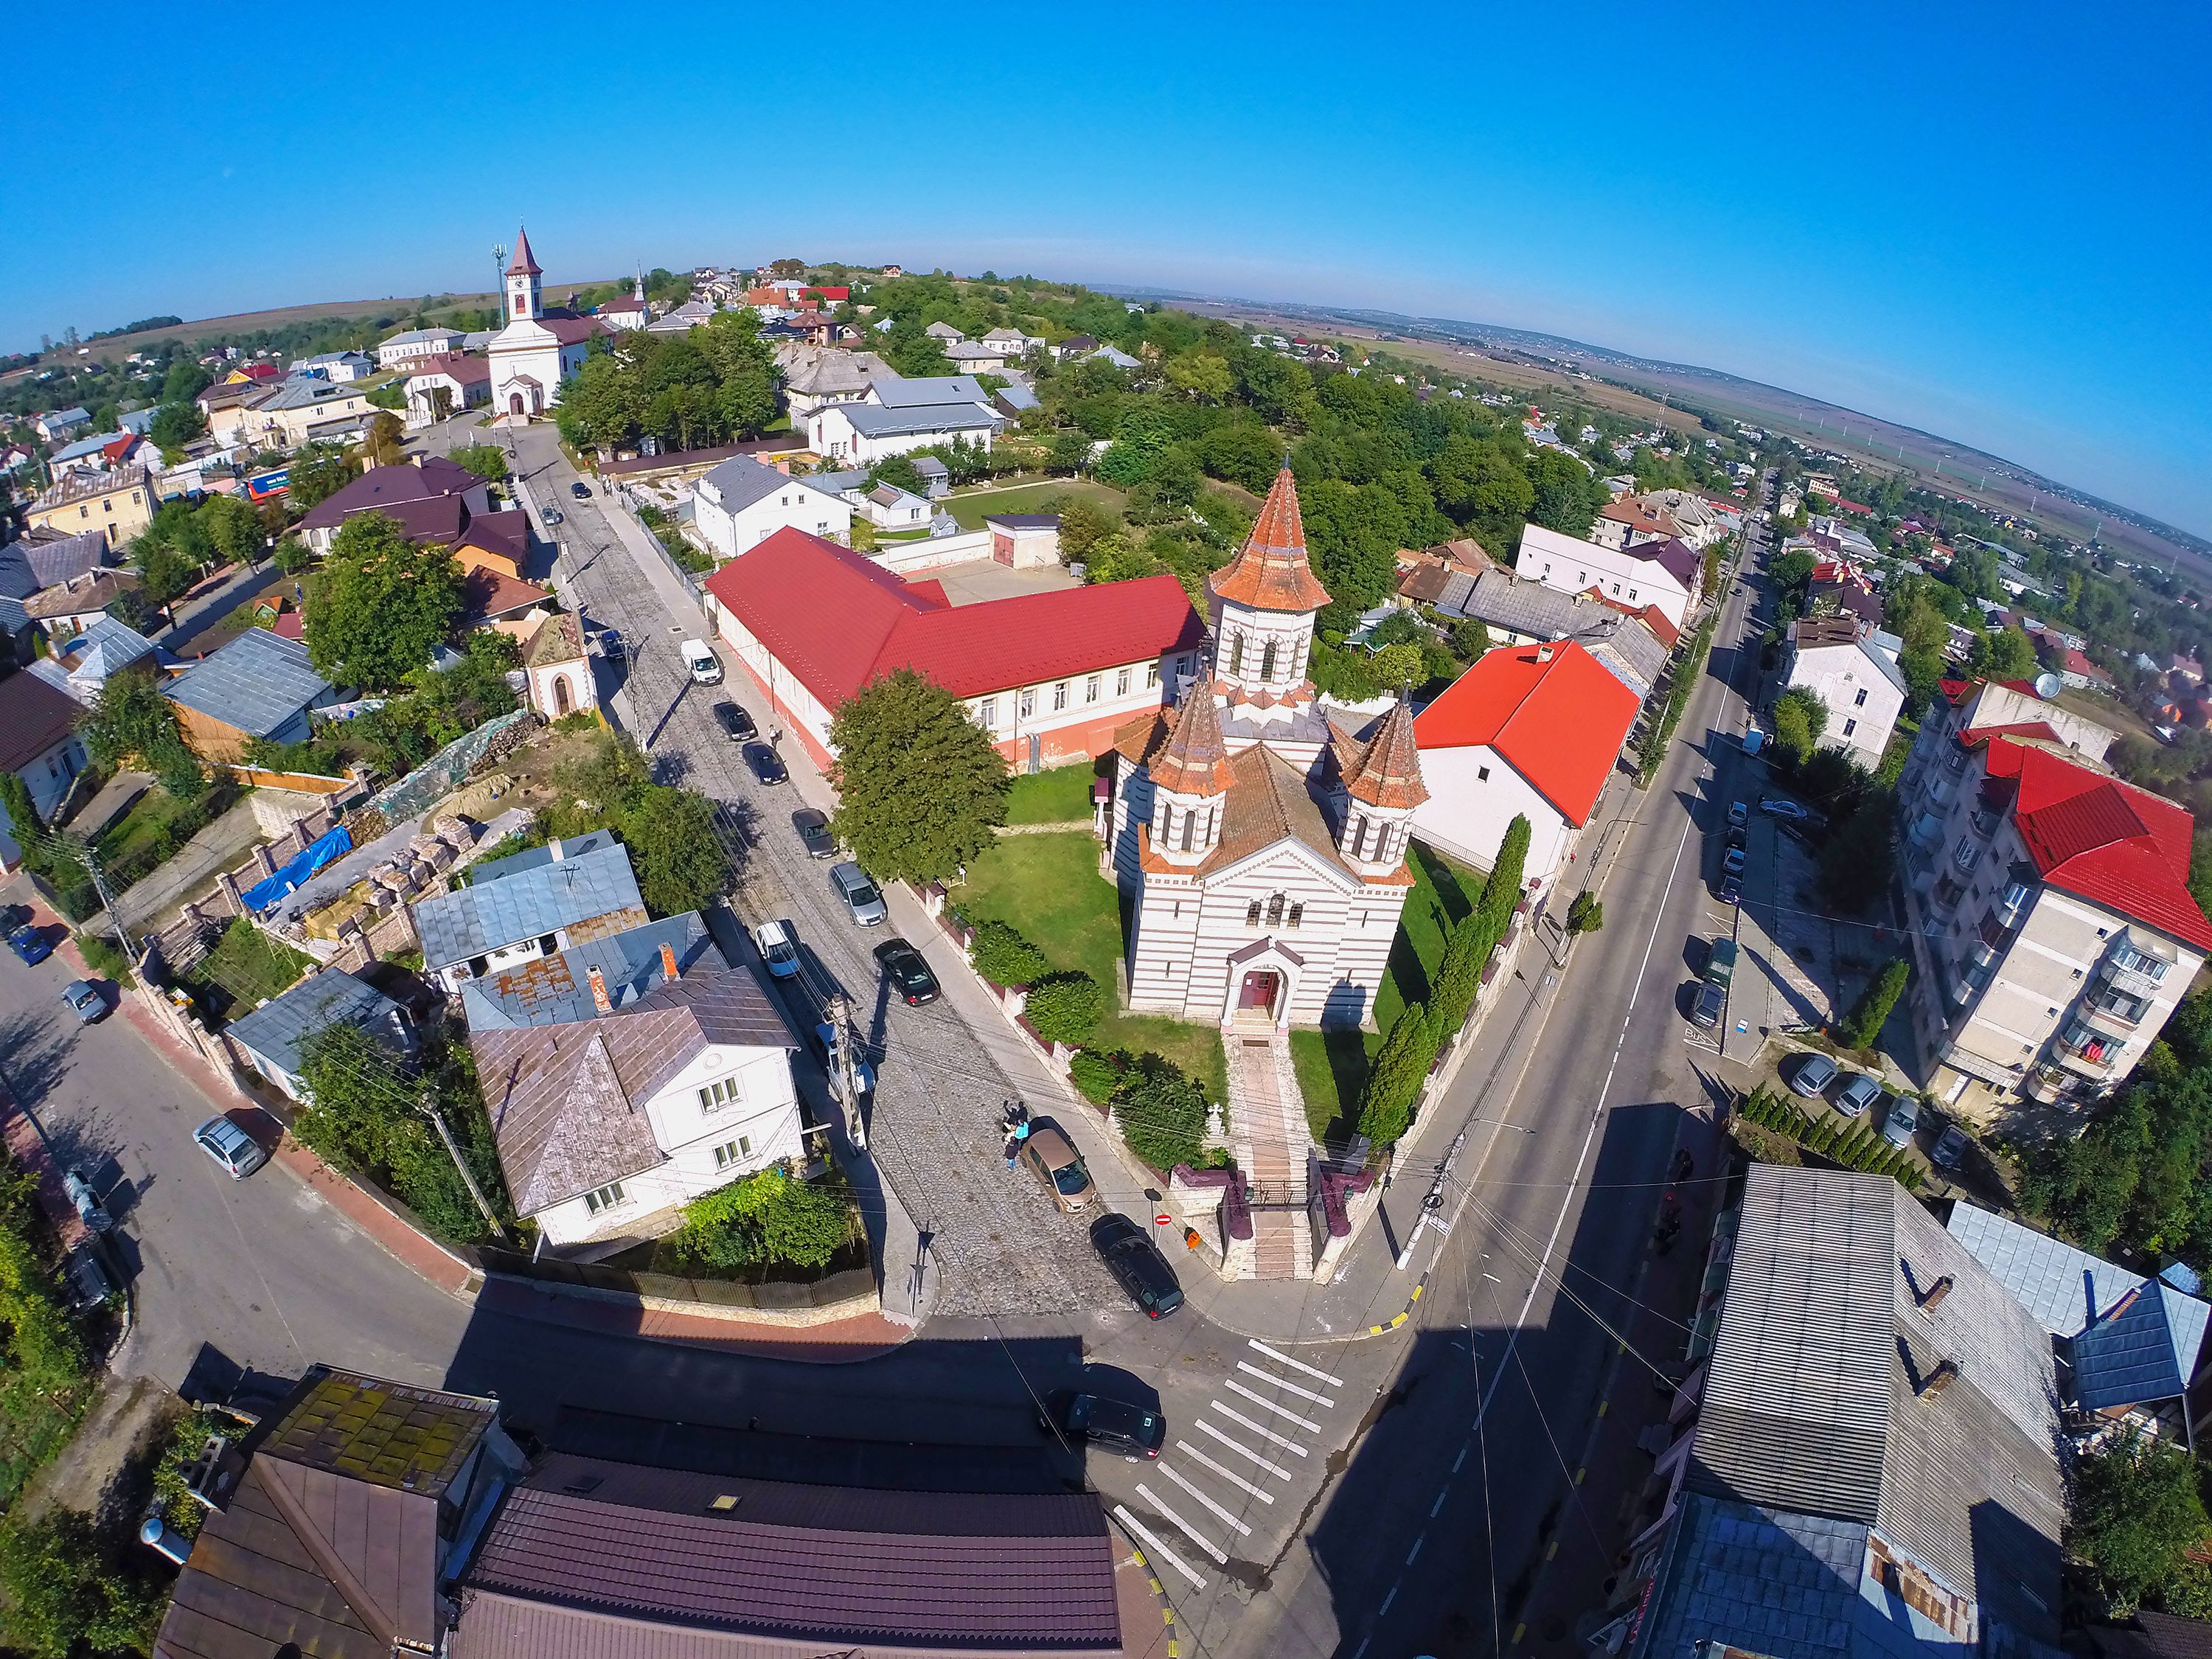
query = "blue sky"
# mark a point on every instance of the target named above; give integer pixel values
(1988, 221)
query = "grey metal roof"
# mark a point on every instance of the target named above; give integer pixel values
(556, 990)
(898, 392)
(741, 481)
(18, 580)
(72, 556)
(873, 420)
(520, 903)
(279, 1029)
(2126, 1359)
(255, 684)
(592, 841)
(106, 648)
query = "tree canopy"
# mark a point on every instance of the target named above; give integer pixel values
(2136, 1517)
(709, 385)
(382, 606)
(920, 785)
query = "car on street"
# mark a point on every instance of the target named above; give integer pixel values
(1950, 1148)
(1720, 961)
(700, 663)
(767, 765)
(610, 644)
(860, 895)
(1732, 862)
(825, 1036)
(736, 725)
(236, 1152)
(1137, 1265)
(1782, 806)
(82, 998)
(581, 491)
(1052, 1158)
(1710, 1003)
(30, 942)
(1132, 1431)
(1814, 1074)
(907, 972)
(551, 514)
(778, 949)
(1857, 1094)
(1732, 889)
(1739, 814)
(814, 835)
(1904, 1118)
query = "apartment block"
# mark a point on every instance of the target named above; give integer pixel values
(2051, 924)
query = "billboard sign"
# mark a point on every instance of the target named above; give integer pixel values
(264, 486)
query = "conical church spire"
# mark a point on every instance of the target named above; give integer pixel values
(1196, 759)
(1270, 572)
(1388, 773)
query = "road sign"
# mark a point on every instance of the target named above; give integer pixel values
(1163, 1220)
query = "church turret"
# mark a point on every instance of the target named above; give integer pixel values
(1381, 788)
(525, 302)
(1264, 601)
(1190, 777)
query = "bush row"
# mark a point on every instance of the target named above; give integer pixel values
(1857, 1147)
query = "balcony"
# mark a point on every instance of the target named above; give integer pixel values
(2087, 1051)
(2136, 972)
(2052, 1086)
(2114, 1011)
(2012, 902)
(1985, 821)
(1945, 895)
(1966, 855)
(1954, 763)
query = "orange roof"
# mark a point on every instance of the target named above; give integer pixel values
(1196, 761)
(1552, 713)
(1388, 772)
(1270, 572)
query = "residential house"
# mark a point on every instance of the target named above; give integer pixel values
(2047, 903)
(420, 478)
(68, 607)
(357, 1505)
(1074, 346)
(1664, 574)
(38, 743)
(2076, 670)
(538, 903)
(2130, 1348)
(60, 423)
(416, 346)
(298, 410)
(1852, 670)
(625, 310)
(440, 387)
(867, 432)
(1529, 731)
(259, 686)
(56, 558)
(1865, 1462)
(1633, 648)
(1010, 342)
(967, 357)
(90, 454)
(741, 502)
(558, 669)
(627, 1074)
(1014, 400)
(945, 333)
(431, 500)
(1049, 675)
(682, 320)
(505, 604)
(118, 504)
(85, 665)
(336, 366)
(1114, 356)
(816, 375)
(889, 507)
(936, 476)
(274, 1038)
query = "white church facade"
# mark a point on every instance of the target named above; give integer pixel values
(539, 348)
(1262, 845)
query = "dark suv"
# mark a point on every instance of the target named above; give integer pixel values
(1116, 1423)
(1136, 1264)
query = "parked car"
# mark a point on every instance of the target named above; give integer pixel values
(859, 894)
(1739, 814)
(1131, 1429)
(610, 644)
(1052, 1158)
(82, 998)
(778, 949)
(814, 835)
(736, 725)
(581, 491)
(863, 1073)
(1950, 1148)
(551, 514)
(1137, 1265)
(1814, 1074)
(1732, 889)
(1904, 1118)
(767, 765)
(904, 967)
(30, 942)
(87, 1278)
(238, 1153)
(700, 663)
(1720, 961)
(1738, 836)
(1710, 1003)
(1857, 1094)
(1732, 861)
(1782, 806)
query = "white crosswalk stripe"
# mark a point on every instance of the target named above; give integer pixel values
(1295, 1364)
(1253, 1395)
(1245, 1452)
(1284, 1441)
(1188, 1531)
(1228, 1474)
(1251, 1369)
(1151, 1540)
(1223, 1514)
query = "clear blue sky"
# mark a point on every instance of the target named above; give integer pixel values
(1988, 220)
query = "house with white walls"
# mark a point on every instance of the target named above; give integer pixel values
(1666, 574)
(741, 502)
(1853, 670)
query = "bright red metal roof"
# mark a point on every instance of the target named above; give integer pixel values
(837, 620)
(1555, 714)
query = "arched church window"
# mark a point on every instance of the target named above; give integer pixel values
(1252, 913)
(1268, 662)
(1358, 837)
(1297, 914)
(1275, 910)
(1236, 652)
(1189, 824)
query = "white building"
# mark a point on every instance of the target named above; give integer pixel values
(412, 347)
(742, 503)
(814, 376)
(1011, 343)
(1664, 574)
(336, 367)
(439, 388)
(538, 348)
(518, 910)
(1853, 670)
(897, 415)
(889, 507)
(1261, 846)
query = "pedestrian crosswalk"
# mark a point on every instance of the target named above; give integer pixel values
(1243, 1449)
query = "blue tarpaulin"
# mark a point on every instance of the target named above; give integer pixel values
(286, 881)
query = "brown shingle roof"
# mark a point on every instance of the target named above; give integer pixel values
(33, 718)
(1196, 761)
(1388, 771)
(1270, 572)
(1268, 802)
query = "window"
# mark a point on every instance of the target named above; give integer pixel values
(1185, 663)
(1091, 688)
(1851, 726)
(1358, 837)
(733, 1152)
(1275, 910)
(717, 1095)
(1859, 702)
(1252, 913)
(605, 1198)
(1121, 684)
(1029, 703)
(1482, 775)
(1297, 914)
(1152, 675)
(1267, 661)
(1236, 652)
(1060, 696)
(1631, 593)
(1189, 826)
(989, 714)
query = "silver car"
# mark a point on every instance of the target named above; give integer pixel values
(1904, 1118)
(1857, 1095)
(859, 894)
(238, 1153)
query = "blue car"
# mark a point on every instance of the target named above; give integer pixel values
(30, 942)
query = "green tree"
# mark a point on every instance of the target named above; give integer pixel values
(2136, 1514)
(1399, 666)
(1402, 1066)
(1065, 1007)
(485, 460)
(680, 861)
(1161, 1114)
(132, 720)
(920, 785)
(383, 440)
(2005, 654)
(1202, 375)
(233, 527)
(316, 474)
(1566, 496)
(1863, 1028)
(1470, 638)
(765, 1218)
(1586, 914)
(185, 381)
(65, 1597)
(1799, 719)
(174, 425)
(912, 351)
(382, 606)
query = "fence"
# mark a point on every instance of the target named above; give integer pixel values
(840, 1293)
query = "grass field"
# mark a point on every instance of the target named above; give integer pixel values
(1061, 795)
(1048, 888)
(968, 510)
(245, 968)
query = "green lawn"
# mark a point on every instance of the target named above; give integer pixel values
(1061, 795)
(1048, 888)
(157, 825)
(245, 968)
(1332, 1065)
(968, 510)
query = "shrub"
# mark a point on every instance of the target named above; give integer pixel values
(66, 1596)
(1862, 1029)
(1064, 1007)
(1586, 914)
(1004, 956)
(766, 1218)
(1161, 1114)
(1400, 1066)
(1096, 1075)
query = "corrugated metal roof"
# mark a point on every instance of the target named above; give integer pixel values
(278, 1030)
(2126, 1359)
(255, 684)
(525, 903)
(556, 990)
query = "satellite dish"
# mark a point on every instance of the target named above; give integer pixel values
(2047, 684)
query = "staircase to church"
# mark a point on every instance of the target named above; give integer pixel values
(1273, 1148)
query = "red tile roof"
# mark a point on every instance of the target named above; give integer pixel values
(1270, 572)
(522, 263)
(837, 620)
(487, 594)
(2103, 839)
(462, 371)
(1553, 712)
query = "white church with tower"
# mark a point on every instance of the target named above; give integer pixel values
(1262, 844)
(540, 347)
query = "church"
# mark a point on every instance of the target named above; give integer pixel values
(539, 348)
(1261, 844)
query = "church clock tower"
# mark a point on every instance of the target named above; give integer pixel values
(525, 302)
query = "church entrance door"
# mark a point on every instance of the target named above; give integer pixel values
(1258, 994)
(515, 402)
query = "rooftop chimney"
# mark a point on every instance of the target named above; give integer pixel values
(1936, 1293)
(554, 847)
(668, 959)
(599, 998)
(1939, 1379)
(1543, 653)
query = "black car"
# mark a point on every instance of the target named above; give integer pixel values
(581, 491)
(1137, 1265)
(1128, 1428)
(768, 765)
(908, 974)
(814, 835)
(1709, 1003)
(736, 725)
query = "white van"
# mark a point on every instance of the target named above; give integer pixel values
(699, 658)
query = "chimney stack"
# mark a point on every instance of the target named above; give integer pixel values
(1939, 1379)
(668, 959)
(599, 998)
(1544, 653)
(554, 847)
(1934, 1297)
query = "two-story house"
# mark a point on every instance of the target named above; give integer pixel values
(2052, 928)
(537, 903)
(1852, 668)
(1664, 574)
(741, 502)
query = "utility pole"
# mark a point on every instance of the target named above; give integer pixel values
(1432, 1202)
(84, 853)
(844, 1078)
(430, 1108)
